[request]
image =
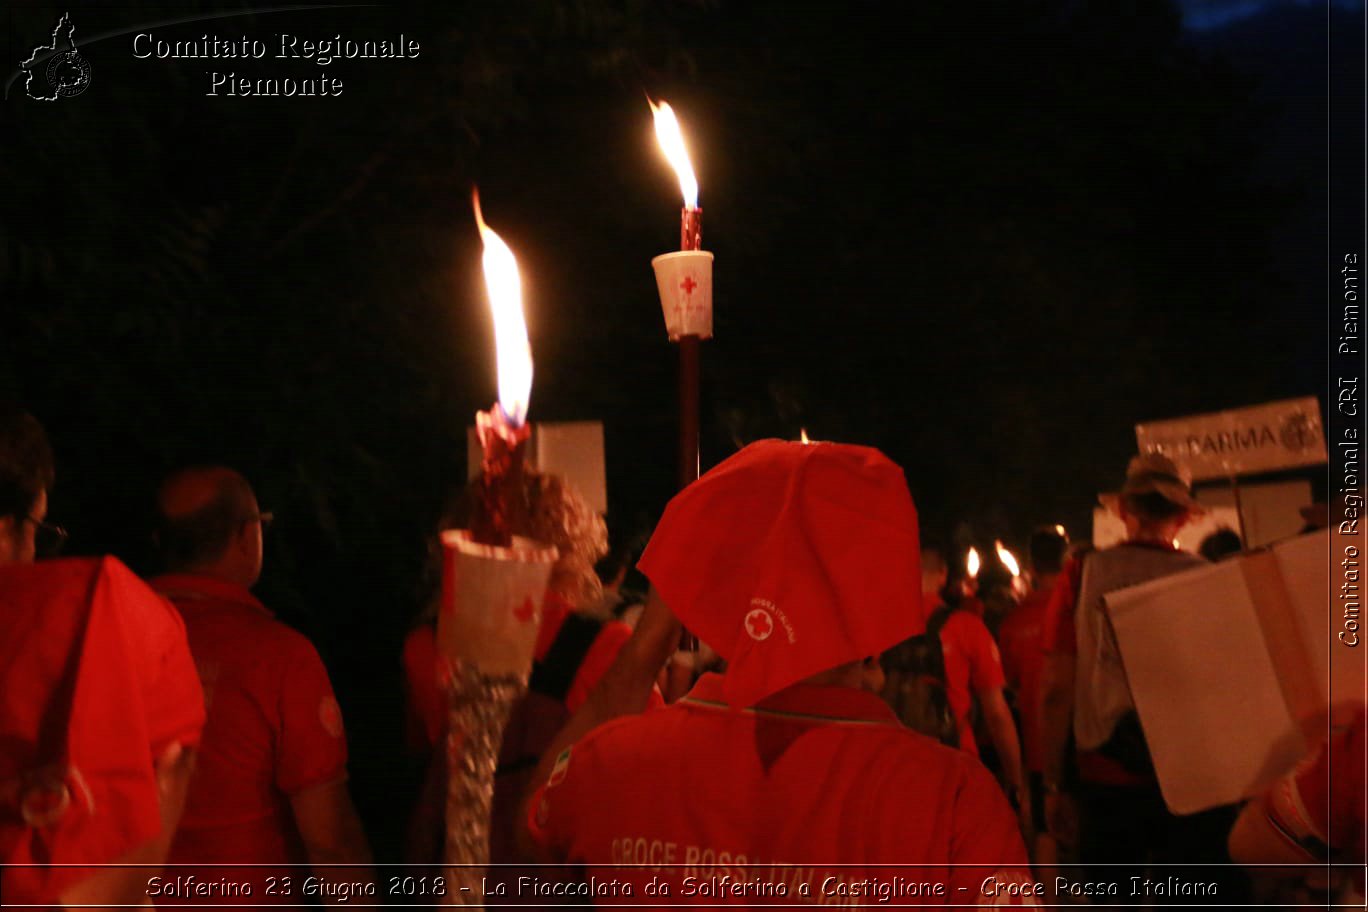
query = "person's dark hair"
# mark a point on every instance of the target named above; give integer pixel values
(202, 536)
(1047, 548)
(614, 562)
(1219, 544)
(26, 465)
(1151, 507)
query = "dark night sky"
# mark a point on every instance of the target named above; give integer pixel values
(987, 238)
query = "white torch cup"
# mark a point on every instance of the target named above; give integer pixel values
(684, 280)
(491, 601)
(486, 635)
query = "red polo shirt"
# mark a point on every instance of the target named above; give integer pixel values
(274, 730)
(815, 788)
(972, 665)
(1023, 664)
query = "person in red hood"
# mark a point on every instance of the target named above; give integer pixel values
(100, 709)
(786, 779)
(271, 787)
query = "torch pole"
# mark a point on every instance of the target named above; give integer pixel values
(688, 410)
(690, 238)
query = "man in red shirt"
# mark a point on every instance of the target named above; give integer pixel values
(1023, 660)
(973, 670)
(786, 779)
(271, 785)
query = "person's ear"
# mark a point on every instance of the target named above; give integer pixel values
(243, 541)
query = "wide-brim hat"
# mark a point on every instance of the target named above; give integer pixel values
(790, 559)
(1155, 473)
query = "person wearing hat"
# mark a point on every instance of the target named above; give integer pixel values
(785, 779)
(1120, 820)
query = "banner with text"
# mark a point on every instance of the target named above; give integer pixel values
(1261, 438)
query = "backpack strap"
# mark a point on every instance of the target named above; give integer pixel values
(937, 619)
(554, 674)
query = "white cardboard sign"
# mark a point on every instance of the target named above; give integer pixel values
(1261, 438)
(570, 449)
(1234, 669)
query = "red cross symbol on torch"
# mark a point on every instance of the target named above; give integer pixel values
(688, 285)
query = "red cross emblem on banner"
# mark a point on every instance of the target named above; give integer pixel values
(759, 624)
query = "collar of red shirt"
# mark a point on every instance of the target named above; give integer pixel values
(189, 587)
(801, 701)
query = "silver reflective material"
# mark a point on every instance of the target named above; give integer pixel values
(480, 704)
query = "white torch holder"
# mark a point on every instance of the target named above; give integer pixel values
(486, 633)
(684, 280)
(491, 602)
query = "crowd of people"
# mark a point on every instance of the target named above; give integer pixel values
(854, 723)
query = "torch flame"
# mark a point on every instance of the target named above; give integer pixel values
(512, 351)
(803, 434)
(1063, 533)
(972, 563)
(1008, 559)
(672, 144)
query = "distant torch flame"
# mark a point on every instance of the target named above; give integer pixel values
(973, 563)
(1008, 559)
(512, 351)
(1061, 530)
(803, 435)
(672, 144)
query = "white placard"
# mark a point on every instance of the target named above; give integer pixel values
(571, 449)
(1261, 438)
(1270, 511)
(1225, 702)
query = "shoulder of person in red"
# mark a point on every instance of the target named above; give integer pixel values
(83, 641)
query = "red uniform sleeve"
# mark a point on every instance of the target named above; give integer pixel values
(311, 748)
(555, 807)
(985, 843)
(602, 652)
(1057, 629)
(985, 662)
(426, 709)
